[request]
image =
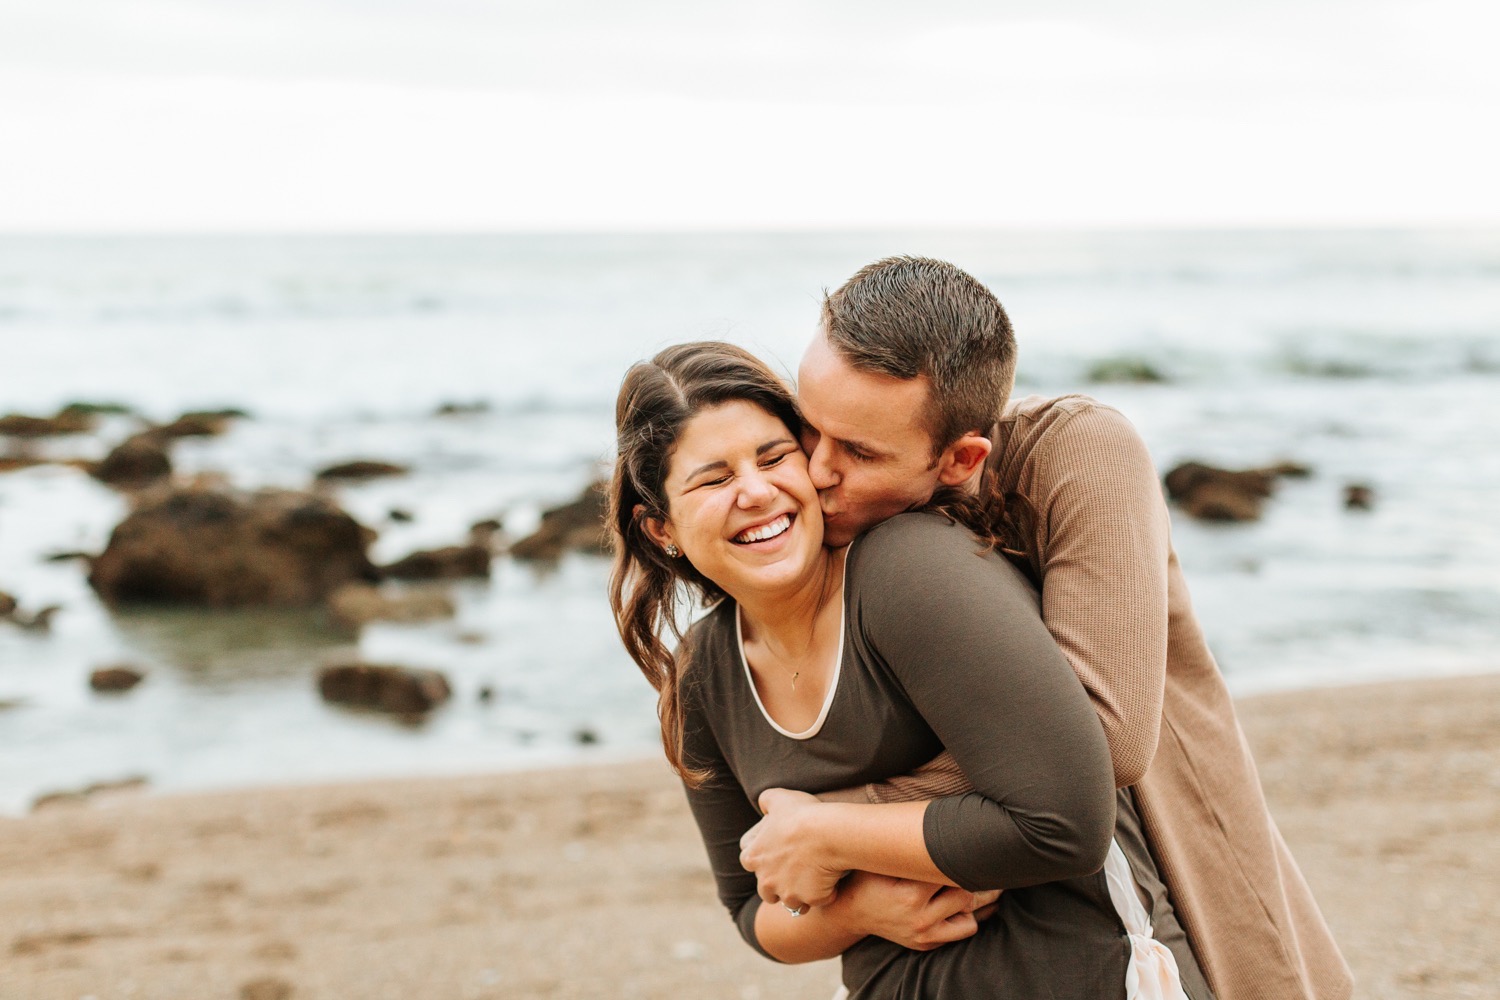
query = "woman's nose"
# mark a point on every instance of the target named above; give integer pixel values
(756, 490)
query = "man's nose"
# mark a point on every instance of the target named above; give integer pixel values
(820, 466)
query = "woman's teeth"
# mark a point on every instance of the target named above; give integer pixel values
(765, 531)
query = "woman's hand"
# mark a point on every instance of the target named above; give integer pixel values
(917, 915)
(787, 853)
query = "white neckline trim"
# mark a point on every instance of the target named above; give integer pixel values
(833, 686)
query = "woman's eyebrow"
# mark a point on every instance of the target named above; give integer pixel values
(720, 464)
(773, 444)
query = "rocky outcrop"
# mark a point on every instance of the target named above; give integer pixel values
(67, 421)
(1359, 496)
(454, 562)
(120, 677)
(199, 423)
(386, 688)
(356, 604)
(453, 409)
(137, 461)
(1125, 369)
(361, 470)
(37, 621)
(573, 527)
(1213, 494)
(218, 548)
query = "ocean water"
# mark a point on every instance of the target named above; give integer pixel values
(1373, 357)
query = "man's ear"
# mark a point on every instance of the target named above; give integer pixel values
(962, 459)
(656, 529)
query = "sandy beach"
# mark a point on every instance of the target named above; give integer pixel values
(591, 882)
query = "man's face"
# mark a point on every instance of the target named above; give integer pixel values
(869, 453)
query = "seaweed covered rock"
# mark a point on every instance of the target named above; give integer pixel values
(197, 423)
(1125, 369)
(137, 461)
(120, 677)
(360, 470)
(1359, 496)
(67, 421)
(384, 687)
(1213, 494)
(218, 548)
(452, 562)
(576, 526)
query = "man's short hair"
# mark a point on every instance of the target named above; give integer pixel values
(910, 316)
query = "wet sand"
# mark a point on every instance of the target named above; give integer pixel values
(591, 882)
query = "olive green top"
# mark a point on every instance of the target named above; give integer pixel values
(919, 671)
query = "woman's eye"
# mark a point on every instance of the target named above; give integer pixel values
(773, 461)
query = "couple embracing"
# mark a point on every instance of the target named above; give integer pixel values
(951, 717)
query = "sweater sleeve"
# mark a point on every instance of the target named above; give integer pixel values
(1104, 535)
(961, 634)
(723, 812)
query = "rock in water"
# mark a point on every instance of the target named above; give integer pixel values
(1214, 494)
(1124, 369)
(216, 548)
(451, 563)
(66, 422)
(395, 689)
(117, 678)
(136, 461)
(577, 526)
(362, 470)
(1359, 496)
(203, 423)
(40, 621)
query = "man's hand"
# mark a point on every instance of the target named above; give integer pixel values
(786, 852)
(917, 915)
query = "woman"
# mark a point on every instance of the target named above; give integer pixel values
(821, 670)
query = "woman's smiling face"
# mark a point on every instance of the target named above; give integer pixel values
(741, 506)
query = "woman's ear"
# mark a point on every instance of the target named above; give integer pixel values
(656, 529)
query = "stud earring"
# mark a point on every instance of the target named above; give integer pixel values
(673, 551)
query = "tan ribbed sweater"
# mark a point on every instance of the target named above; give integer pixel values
(1114, 598)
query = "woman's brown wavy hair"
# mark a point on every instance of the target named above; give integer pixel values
(646, 587)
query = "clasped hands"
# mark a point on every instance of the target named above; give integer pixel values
(796, 866)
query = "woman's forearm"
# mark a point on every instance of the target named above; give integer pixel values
(820, 933)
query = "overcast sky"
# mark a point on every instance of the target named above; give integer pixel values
(650, 114)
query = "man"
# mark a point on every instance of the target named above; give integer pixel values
(906, 389)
